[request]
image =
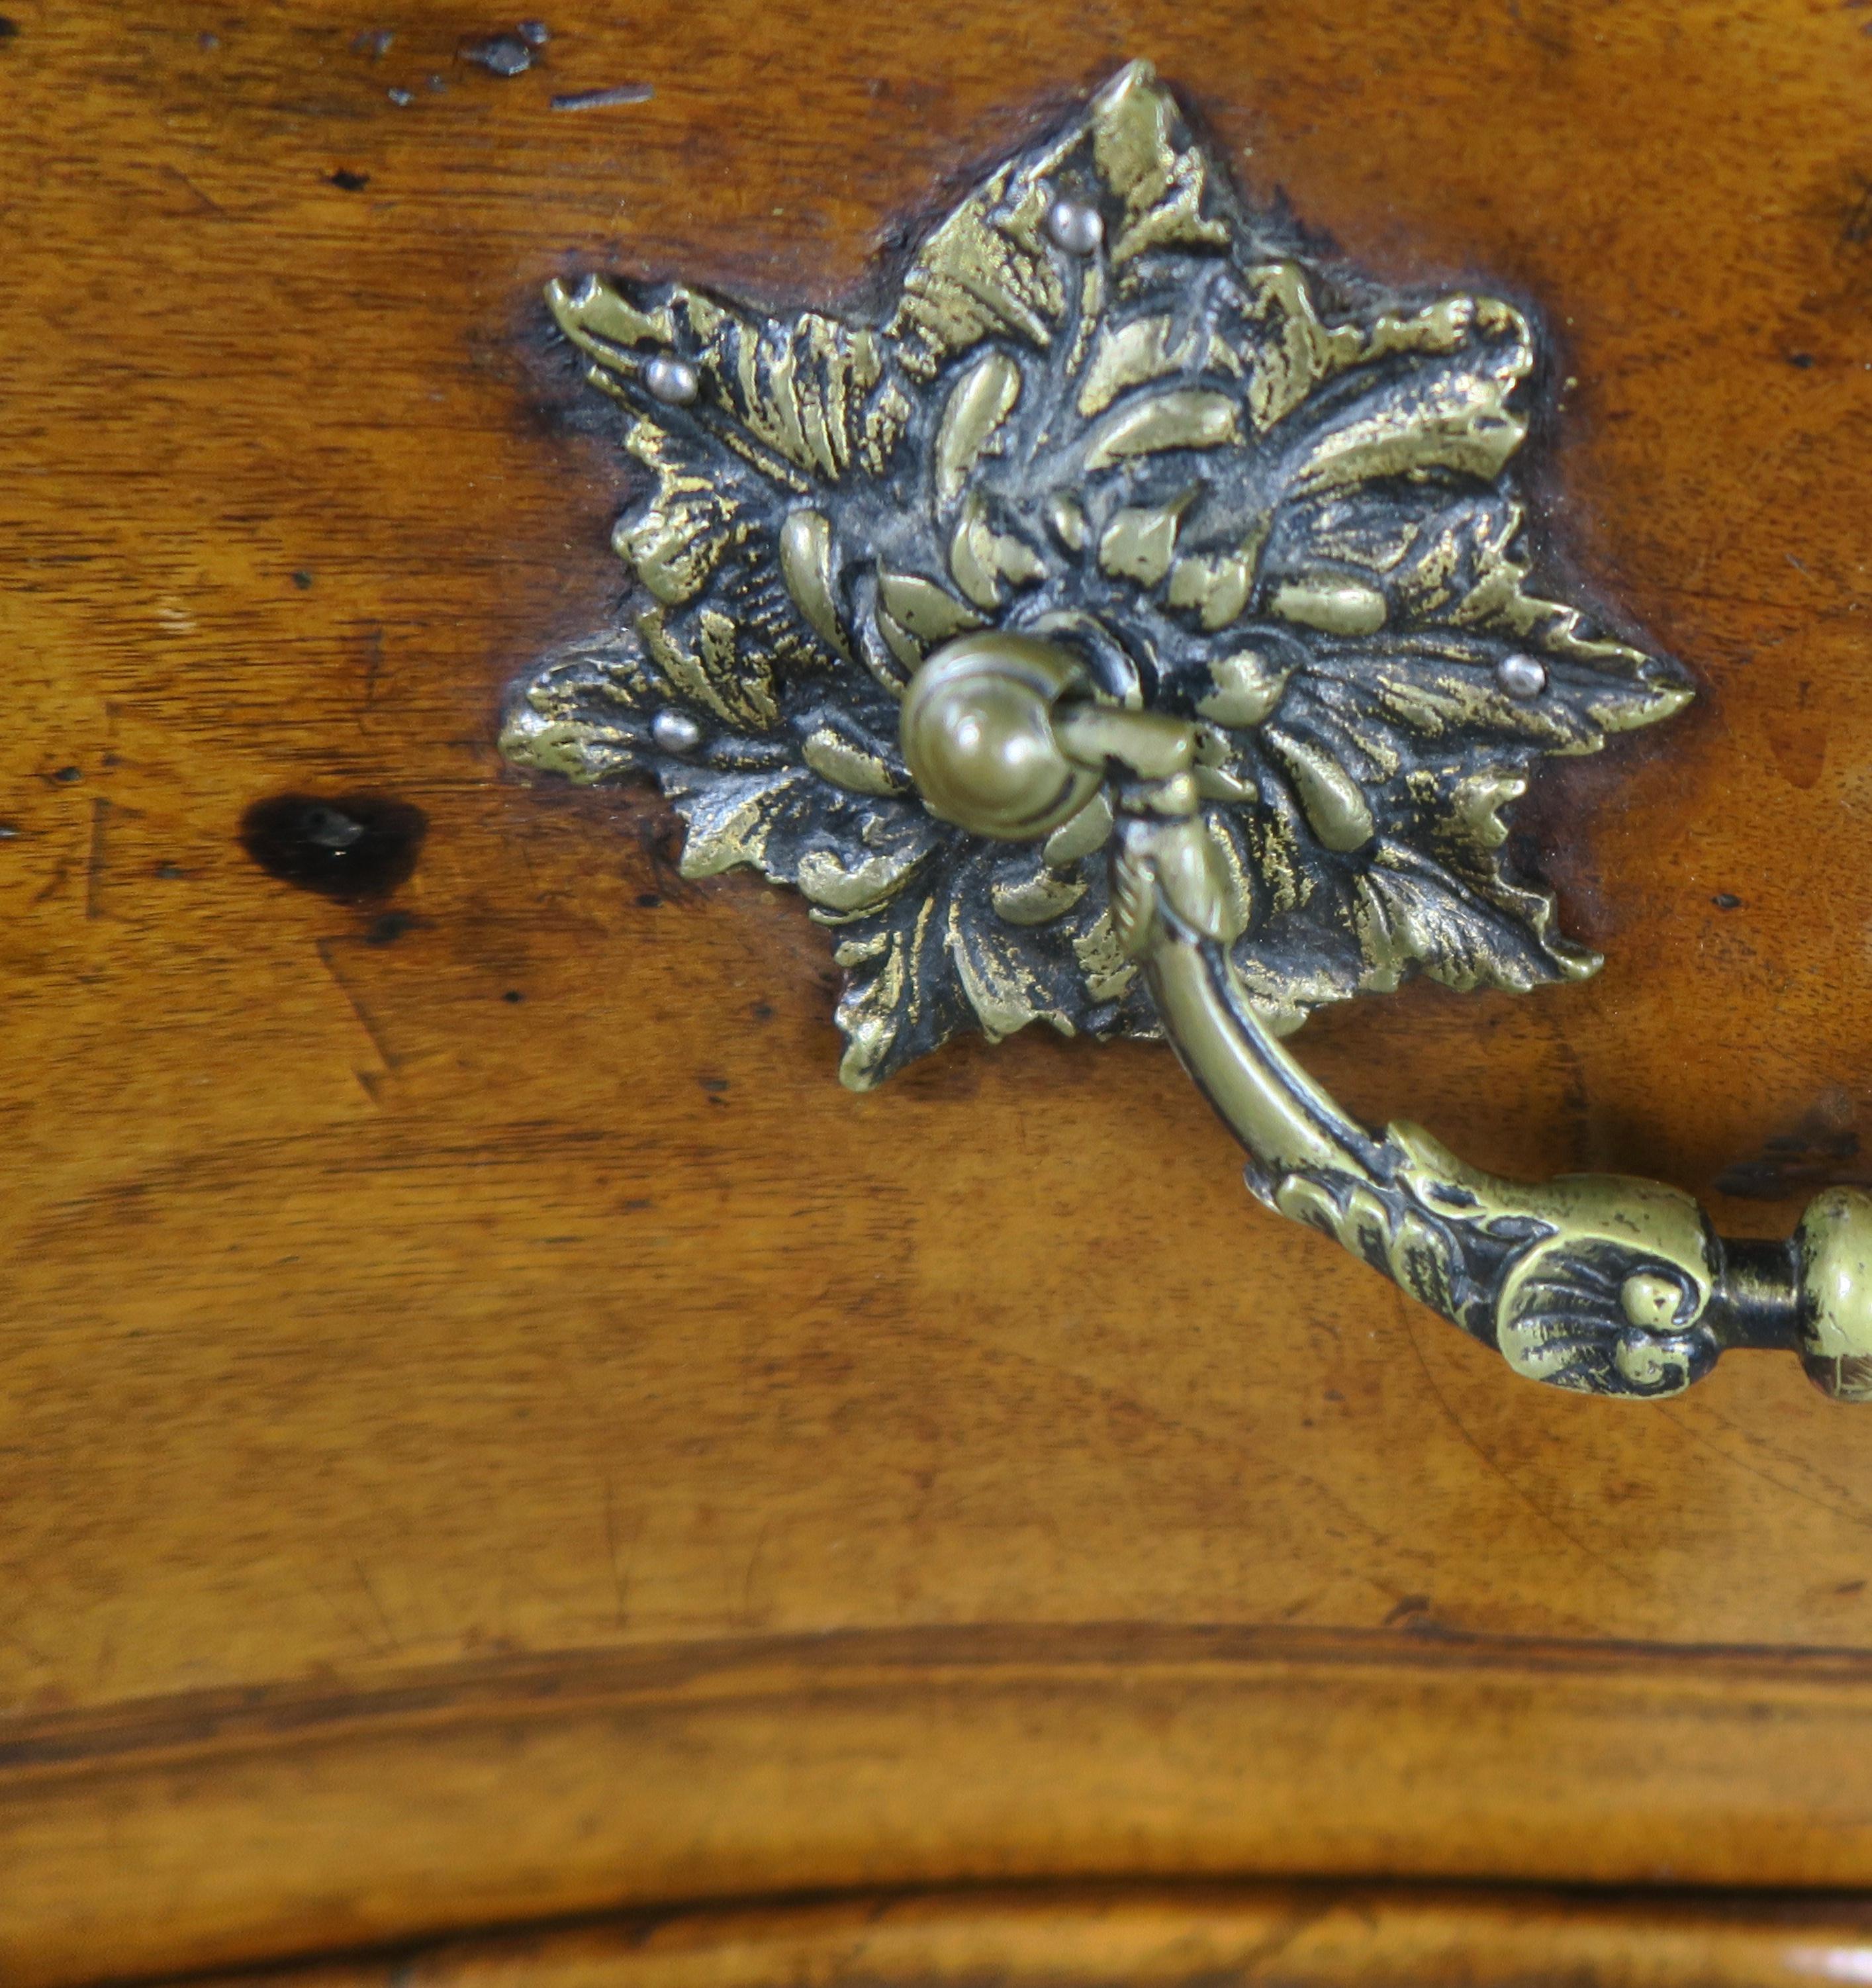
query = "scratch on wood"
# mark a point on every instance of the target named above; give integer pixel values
(752, 1618)
(54, 883)
(97, 860)
(602, 100)
(323, 948)
(1858, 226)
(208, 206)
(621, 1569)
(1407, 1313)
(392, 1640)
(373, 663)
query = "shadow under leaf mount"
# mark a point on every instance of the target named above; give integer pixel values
(1133, 632)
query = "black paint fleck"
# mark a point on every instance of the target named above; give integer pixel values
(1802, 359)
(8, 28)
(303, 581)
(1724, 900)
(351, 846)
(1819, 1151)
(68, 776)
(649, 900)
(347, 181)
(169, 872)
(514, 996)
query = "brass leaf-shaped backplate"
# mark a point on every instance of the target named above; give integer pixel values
(1112, 409)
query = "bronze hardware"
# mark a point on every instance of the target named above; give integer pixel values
(1133, 632)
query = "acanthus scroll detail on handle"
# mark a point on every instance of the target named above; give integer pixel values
(1134, 628)
(1598, 1282)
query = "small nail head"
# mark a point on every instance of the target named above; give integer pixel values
(676, 731)
(674, 381)
(1521, 676)
(1077, 227)
(505, 55)
(331, 829)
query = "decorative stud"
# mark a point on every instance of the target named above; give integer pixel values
(1521, 677)
(676, 731)
(1075, 227)
(673, 381)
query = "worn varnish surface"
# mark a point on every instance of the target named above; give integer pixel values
(430, 1285)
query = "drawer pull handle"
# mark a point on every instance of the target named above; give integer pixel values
(1133, 627)
(1594, 1282)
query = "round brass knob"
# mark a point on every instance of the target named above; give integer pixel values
(1834, 1250)
(978, 735)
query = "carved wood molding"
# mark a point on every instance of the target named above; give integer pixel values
(584, 1783)
(1186, 1936)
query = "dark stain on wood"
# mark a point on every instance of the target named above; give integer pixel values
(353, 846)
(1818, 1151)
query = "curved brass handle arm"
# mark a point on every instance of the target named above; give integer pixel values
(1599, 1283)
(1594, 1282)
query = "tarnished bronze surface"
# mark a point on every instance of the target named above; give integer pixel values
(1110, 408)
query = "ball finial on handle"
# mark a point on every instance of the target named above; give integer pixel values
(1834, 1248)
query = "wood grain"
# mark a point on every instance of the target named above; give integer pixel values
(510, 1282)
(218, 1829)
(1192, 1937)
